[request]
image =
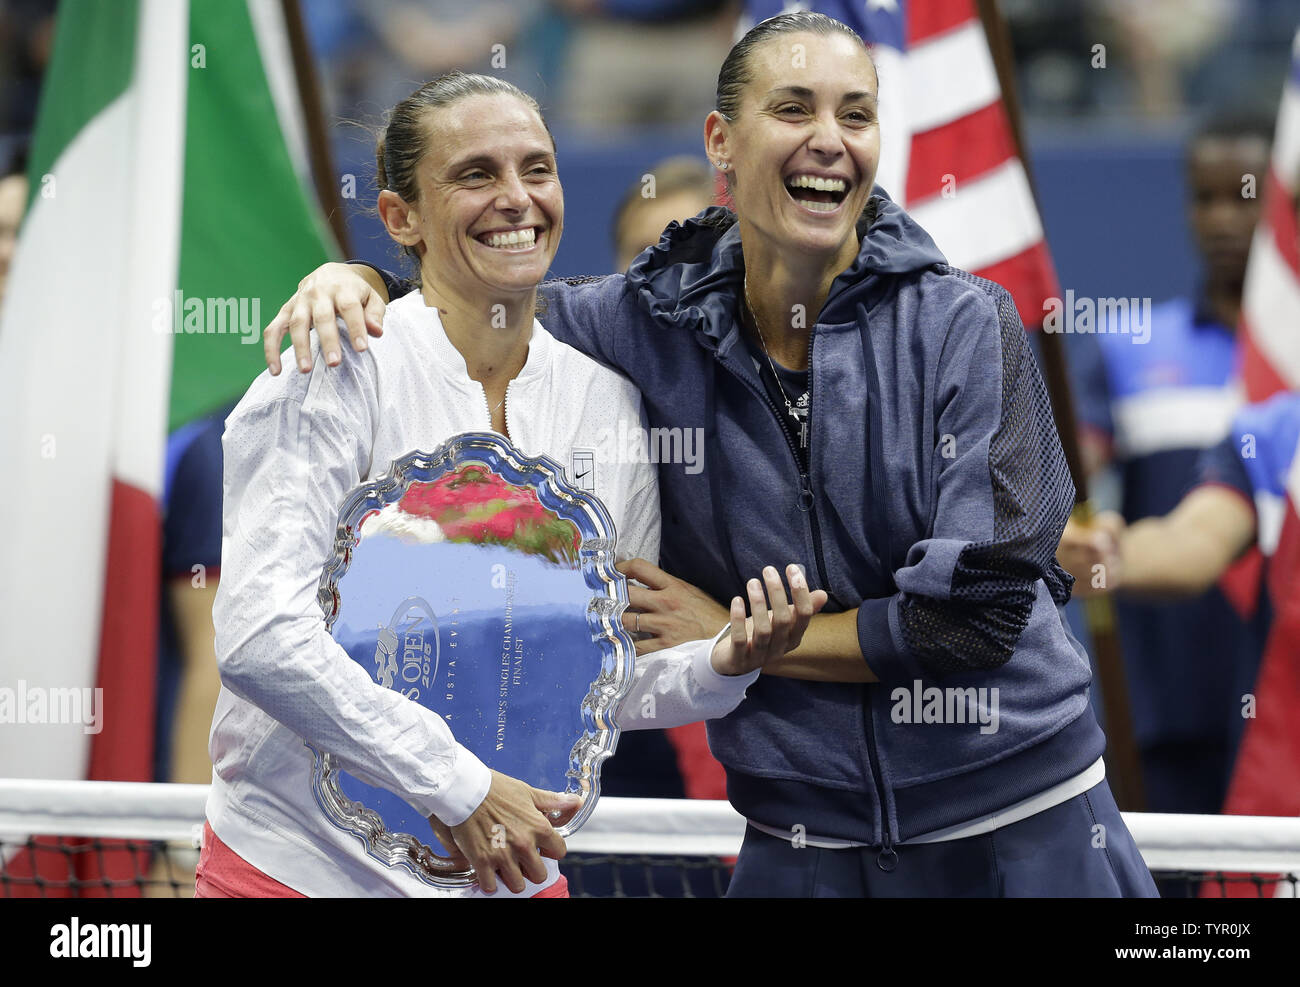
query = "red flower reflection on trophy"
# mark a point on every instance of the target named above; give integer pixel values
(475, 505)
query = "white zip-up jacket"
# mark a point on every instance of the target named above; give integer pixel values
(294, 447)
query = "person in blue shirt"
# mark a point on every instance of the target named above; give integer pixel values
(1155, 386)
(1237, 501)
(187, 679)
(191, 564)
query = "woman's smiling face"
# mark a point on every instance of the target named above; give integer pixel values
(491, 209)
(805, 143)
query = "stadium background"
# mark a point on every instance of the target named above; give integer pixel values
(1103, 130)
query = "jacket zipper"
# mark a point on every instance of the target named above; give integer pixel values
(505, 409)
(807, 499)
(887, 858)
(806, 479)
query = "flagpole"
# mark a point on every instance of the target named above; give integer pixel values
(318, 149)
(1123, 765)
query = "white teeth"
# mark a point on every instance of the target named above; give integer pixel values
(514, 238)
(820, 206)
(817, 184)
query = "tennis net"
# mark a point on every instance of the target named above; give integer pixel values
(122, 839)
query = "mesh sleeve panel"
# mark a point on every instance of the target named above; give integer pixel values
(395, 284)
(994, 582)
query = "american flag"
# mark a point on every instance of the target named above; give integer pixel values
(1266, 778)
(1271, 300)
(948, 155)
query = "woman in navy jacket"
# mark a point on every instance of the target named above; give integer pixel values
(876, 413)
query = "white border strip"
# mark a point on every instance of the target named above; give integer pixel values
(987, 220)
(1271, 301)
(687, 827)
(1174, 418)
(1286, 142)
(144, 356)
(949, 77)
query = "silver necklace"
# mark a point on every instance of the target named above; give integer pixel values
(753, 317)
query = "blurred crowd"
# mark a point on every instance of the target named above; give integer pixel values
(606, 71)
(1164, 57)
(600, 67)
(596, 66)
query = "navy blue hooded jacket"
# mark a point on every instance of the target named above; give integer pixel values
(936, 495)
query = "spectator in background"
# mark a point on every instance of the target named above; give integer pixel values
(672, 190)
(26, 40)
(1162, 57)
(1228, 510)
(191, 568)
(673, 763)
(372, 53)
(1164, 39)
(188, 683)
(1051, 45)
(643, 63)
(417, 41)
(13, 203)
(1151, 398)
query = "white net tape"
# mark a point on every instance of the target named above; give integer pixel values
(126, 810)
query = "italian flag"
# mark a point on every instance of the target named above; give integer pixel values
(170, 215)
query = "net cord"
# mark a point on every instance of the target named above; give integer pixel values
(687, 827)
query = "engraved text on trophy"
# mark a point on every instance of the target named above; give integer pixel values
(408, 648)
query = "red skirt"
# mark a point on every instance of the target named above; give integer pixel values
(222, 873)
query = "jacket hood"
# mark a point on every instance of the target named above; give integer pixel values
(692, 277)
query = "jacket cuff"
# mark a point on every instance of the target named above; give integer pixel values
(879, 637)
(394, 284)
(461, 793)
(708, 677)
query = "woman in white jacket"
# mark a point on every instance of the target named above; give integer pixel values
(469, 188)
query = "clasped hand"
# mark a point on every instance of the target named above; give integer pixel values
(514, 828)
(668, 611)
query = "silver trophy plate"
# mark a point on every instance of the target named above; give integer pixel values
(479, 583)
